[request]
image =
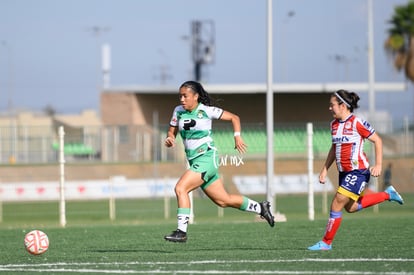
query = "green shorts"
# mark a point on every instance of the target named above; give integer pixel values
(207, 166)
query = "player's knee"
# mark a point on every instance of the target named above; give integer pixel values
(180, 190)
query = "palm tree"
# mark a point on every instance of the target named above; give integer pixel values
(400, 42)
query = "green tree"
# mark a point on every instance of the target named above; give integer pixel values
(400, 41)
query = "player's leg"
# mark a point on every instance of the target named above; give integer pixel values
(390, 194)
(334, 222)
(189, 181)
(218, 194)
(368, 200)
(351, 184)
(372, 199)
(335, 217)
(214, 188)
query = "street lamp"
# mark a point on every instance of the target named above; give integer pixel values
(284, 47)
(12, 128)
(9, 75)
(97, 32)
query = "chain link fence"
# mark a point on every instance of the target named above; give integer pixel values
(21, 144)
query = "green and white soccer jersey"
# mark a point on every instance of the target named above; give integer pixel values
(195, 127)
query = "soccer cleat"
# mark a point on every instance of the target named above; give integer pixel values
(394, 196)
(320, 246)
(266, 214)
(177, 236)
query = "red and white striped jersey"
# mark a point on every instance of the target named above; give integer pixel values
(348, 140)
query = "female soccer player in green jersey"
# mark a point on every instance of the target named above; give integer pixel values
(192, 119)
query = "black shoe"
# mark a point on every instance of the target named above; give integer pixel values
(177, 236)
(266, 214)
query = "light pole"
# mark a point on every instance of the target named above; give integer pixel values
(9, 75)
(97, 32)
(371, 64)
(270, 194)
(164, 74)
(12, 123)
(189, 69)
(284, 47)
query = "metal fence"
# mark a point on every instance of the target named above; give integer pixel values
(131, 143)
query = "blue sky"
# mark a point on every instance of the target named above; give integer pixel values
(50, 56)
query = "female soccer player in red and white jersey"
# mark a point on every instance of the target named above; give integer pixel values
(348, 135)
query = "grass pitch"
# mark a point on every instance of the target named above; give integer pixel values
(367, 242)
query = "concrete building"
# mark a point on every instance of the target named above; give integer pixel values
(292, 102)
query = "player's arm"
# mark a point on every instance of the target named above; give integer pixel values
(377, 167)
(330, 158)
(171, 134)
(235, 120)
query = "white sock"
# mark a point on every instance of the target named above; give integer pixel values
(251, 206)
(183, 217)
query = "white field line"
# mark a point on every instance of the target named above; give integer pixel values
(81, 268)
(176, 272)
(216, 262)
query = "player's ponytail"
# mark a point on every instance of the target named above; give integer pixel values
(350, 99)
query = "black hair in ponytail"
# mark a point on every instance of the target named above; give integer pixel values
(350, 99)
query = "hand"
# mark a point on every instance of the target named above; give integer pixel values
(169, 142)
(240, 145)
(375, 170)
(322, 175)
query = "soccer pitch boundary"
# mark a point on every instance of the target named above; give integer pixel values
(82, 268)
